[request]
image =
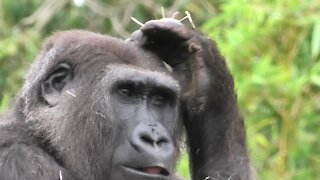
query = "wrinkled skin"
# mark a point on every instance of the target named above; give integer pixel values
(98, 108)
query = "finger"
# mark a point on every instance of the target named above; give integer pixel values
(137, 37)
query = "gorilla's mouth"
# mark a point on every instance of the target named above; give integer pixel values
(153, 170)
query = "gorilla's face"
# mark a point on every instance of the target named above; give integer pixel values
(145, 105)
(106, 108)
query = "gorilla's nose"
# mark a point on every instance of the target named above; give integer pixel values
(152, 138)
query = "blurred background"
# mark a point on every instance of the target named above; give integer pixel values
(272, 48)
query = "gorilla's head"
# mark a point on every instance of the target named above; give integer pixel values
(103, 108)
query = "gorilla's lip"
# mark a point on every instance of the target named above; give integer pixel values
(148, 171)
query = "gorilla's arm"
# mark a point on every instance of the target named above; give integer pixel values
(22, 159)
(214, 126)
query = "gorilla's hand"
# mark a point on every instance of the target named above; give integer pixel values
(214, 127)
(168, 38)
(195, 60)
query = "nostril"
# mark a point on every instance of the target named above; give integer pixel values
(152, 141)
(147, 139)
(161, 141)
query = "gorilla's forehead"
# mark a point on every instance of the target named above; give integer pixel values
(80, 46)
(118, 72)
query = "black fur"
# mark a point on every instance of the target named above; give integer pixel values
(98, 108)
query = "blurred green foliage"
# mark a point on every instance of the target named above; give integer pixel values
(273, 50)
(271, 46)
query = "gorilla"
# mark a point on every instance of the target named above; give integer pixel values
(94, 107)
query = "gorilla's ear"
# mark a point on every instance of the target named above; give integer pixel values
(55, 81)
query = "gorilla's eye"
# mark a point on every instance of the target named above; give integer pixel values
(158, 99)
(126, 90)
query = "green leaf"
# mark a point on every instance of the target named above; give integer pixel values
(315, 42)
